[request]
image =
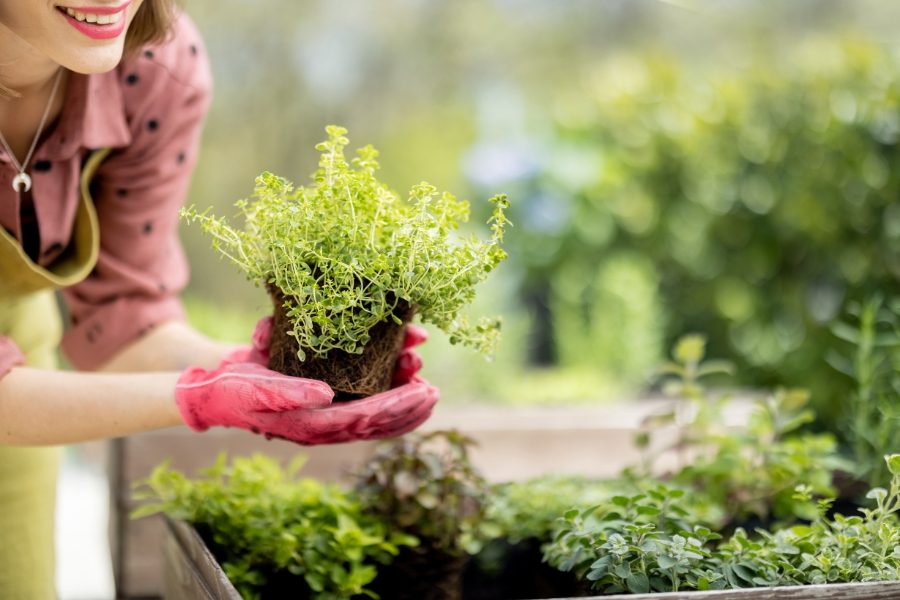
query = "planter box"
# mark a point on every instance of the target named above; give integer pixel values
(513, 444)
(192, 573)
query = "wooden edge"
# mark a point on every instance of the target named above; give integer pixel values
(879, 590)
(191, 569)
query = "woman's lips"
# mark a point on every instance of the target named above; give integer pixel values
(97, 22)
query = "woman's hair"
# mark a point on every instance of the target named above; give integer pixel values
(151, 24)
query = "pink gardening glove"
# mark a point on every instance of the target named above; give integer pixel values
(388, 414)
(237, 394)
(289, 407)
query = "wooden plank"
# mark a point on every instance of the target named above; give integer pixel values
(885, 590)
(191, 571)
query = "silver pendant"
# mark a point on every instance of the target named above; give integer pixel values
(22, 182)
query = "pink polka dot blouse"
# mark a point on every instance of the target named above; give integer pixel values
(150, 111)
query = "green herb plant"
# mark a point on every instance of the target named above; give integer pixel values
(531, 509)
(345, 250)
(872, 423)
(652, 542)
(635, 543)
(750, 472)
(263, 524)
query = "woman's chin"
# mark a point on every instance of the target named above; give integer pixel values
(94, 60)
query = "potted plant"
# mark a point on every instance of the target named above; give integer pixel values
(425, 486)
(347, 262)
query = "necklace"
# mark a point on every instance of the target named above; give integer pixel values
(22, 181)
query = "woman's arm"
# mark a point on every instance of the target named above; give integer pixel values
(173, 346)
(40, 407)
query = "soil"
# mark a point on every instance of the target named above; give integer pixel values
(421, 573)
(351, 376)
(515, 572)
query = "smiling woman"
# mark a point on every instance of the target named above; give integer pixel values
(100, 128)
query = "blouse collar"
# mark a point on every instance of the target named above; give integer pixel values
(93, 117)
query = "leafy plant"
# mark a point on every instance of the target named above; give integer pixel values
(262, 524)
(531, 509)
(750, 471)
(346, 250)
(652, 542)
(636, 543)
(425, 485)
(872, 421)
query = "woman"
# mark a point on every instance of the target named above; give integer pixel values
(102, 107)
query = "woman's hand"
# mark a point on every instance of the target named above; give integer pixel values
(242, 392)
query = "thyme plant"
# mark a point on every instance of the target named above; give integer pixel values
(345, 250)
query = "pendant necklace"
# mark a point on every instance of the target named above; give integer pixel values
(22, 181)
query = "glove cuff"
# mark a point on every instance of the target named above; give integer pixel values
(189, 398)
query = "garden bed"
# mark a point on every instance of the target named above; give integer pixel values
(192, 573)
(514, 444)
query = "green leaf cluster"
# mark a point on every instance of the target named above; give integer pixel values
(261, 521)
(636, 543)
(871, 331)
(426, 486)
(749, 471)
(531, 508)
(763, 196)
(651, 542)
(345, 250)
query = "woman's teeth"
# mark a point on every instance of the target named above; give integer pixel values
(93, 18)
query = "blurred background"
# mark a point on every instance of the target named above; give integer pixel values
(726, 167)
(723, 167)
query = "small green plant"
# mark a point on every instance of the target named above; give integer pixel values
(655, 542)
(750, 471)
(531, 509)
(425, 485)
(262, 523)
(345, 251)
(872, 422)
(635, 543)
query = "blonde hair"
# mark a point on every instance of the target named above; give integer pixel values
(151, 24)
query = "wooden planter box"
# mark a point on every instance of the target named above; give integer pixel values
(513, 444)
(192, 573)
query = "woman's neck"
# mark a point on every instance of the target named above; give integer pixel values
(22, 68)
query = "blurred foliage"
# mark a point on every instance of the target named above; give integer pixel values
(707, 165)
(871, 359)
(764, 199)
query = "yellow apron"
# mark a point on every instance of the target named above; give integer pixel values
(29, 316)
